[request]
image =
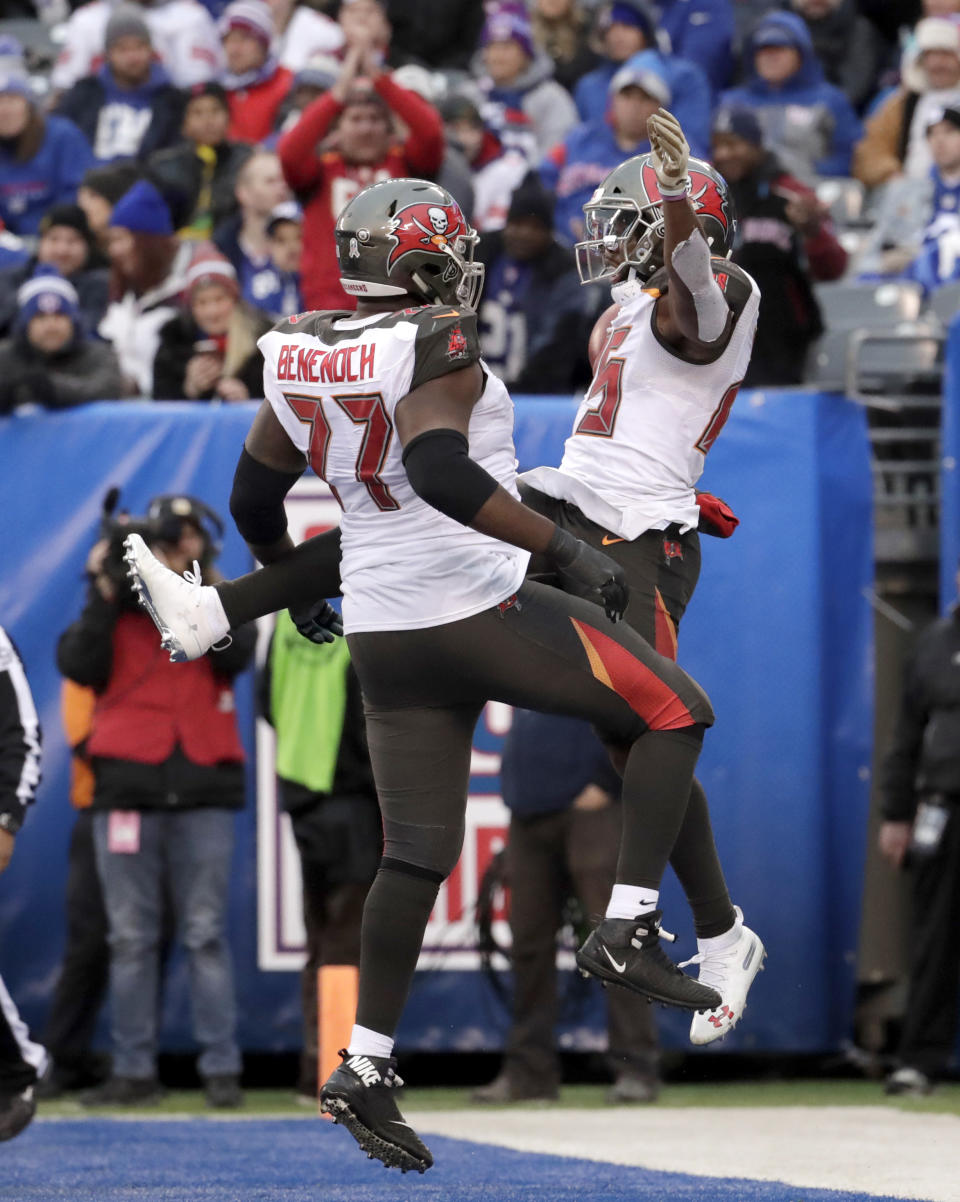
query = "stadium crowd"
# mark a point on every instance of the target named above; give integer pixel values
(170, 179)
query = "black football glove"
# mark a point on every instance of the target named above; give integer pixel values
(318, 622)
(589, 573)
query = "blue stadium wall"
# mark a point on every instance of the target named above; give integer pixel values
(780, 634)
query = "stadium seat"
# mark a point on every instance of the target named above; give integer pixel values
(944, 304)
(854, 306)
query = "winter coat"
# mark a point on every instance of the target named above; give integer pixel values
(546, 104)
(91, 283)
(850, 49)
(133, 322)
(164, 736)
(83, 371)
(50, 177)
(691, 101)
(254, 108)
(325, 182)
(125, 123)
(783, 262)
(201, 188)
(808, 122)
(701, 31)
(532, 319)
(175, 349)
(924, 754)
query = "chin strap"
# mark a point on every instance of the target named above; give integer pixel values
(691, 262)
(627, 289)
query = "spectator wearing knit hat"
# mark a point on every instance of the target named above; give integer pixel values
(128, 108)
(895, 139)
(183, 33)
(149, 272)
(809, 122)
(201, 171)
(786, 240)
(285, 232)
(66, 245)
(533, 314)
(42, 159)
(256, 83)
(921, 217)
(518, 75)
(208, 351)
(360, 109)
(49, 360)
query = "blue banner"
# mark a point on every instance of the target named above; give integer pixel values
(780, 634)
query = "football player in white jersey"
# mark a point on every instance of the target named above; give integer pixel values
(392, 406)
(672, 352)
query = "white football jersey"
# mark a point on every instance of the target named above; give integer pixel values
(334, 381)
(649, 418)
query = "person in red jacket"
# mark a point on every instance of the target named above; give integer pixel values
(168, 777)
(344, 141)
(256, 83)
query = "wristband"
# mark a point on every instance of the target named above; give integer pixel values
(678, 193)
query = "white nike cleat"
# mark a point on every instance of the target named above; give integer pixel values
(188, 613)
(730, 971)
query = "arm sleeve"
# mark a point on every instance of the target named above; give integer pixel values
(898, 776)
(19, 736)
(302, 166)
(447, 340)
(423, 148)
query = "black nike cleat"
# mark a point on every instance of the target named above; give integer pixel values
(359, 1094)
(16, 1111)
(627, 951)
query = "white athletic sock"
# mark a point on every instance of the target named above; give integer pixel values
(627, 901)
(718, 942)
(214, 612)
(364, 1042)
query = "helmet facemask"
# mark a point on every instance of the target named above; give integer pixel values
(622, 235)
(457, 282)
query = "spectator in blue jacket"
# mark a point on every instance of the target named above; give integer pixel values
(532, 316)
(808, 122)
(626, 27)
(702, 32)
(572, 170)
(42, 159)
(128, 108)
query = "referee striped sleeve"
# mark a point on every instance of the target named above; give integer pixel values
(20, 740)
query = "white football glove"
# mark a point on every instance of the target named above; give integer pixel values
(670, 153)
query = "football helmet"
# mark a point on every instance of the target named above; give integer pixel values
(408, 236)
(624, 220)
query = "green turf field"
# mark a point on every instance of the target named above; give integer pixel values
(266, 1103)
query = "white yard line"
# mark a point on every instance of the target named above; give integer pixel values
(858, 1148)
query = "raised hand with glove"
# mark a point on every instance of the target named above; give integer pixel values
(670, 153)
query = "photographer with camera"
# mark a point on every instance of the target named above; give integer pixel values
(168, 775)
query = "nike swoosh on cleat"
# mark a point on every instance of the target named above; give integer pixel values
(618, 967)
(397, 1123)
(607, 541)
